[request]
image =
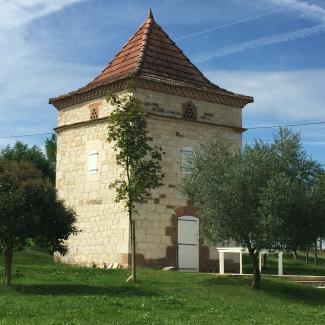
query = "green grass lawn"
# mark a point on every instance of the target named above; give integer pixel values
(47, 293)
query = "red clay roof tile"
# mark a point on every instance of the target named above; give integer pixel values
(152, 55)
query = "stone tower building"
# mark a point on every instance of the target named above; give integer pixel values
(185, 109)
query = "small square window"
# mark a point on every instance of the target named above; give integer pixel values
(186, 156)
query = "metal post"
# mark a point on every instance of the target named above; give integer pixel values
(221, 263)
(280, 263)
(241, 262)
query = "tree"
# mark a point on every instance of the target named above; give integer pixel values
(301, 173)
(21, 152)
(257, 198)
(138, 158)
(316, 213)
(30, 209)
(225, 186)
(50, 149)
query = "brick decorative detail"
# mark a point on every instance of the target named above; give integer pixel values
(185, 211)
(154, 263)
(206, 264)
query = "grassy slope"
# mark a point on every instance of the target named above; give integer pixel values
(45, 293)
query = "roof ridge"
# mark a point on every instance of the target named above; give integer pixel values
(146, 35)
(150, 14)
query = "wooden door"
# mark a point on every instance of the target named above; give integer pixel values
(188, 244)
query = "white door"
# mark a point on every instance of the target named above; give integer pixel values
(188, 244)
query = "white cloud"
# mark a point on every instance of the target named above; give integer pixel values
(28, 77)
(18, 12)
(280, 96)
(303, 8)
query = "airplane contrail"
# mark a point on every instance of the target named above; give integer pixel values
(260, 42)
(230, 24)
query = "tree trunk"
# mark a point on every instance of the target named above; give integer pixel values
(315, 253)
(256, 270)
(307, 255)
(295, 255)
(8, 252)
(264, 260)
(133, 241)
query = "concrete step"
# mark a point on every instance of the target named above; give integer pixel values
(318, 284)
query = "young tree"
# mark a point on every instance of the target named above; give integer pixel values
(30, 209)
(138, 158)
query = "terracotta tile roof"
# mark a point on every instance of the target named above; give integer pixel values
(150, 54)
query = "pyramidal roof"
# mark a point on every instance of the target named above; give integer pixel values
(150, 54)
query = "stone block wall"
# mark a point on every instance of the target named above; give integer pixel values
(156, 218)
(104, 236)
(171, 106)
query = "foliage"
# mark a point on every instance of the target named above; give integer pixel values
(294, 196)
(137, 157)
(140, 161)
(50, 149)
(258, 198)
(225, 186)
(50, 293)
(21, 152)
(30, 209)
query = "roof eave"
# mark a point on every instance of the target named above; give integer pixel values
(217, 96)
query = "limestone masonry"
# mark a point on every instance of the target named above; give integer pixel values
(185, 109)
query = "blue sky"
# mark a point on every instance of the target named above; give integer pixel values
(273, 50)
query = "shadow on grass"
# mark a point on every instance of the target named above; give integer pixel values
(83, 290)
(278, 288)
